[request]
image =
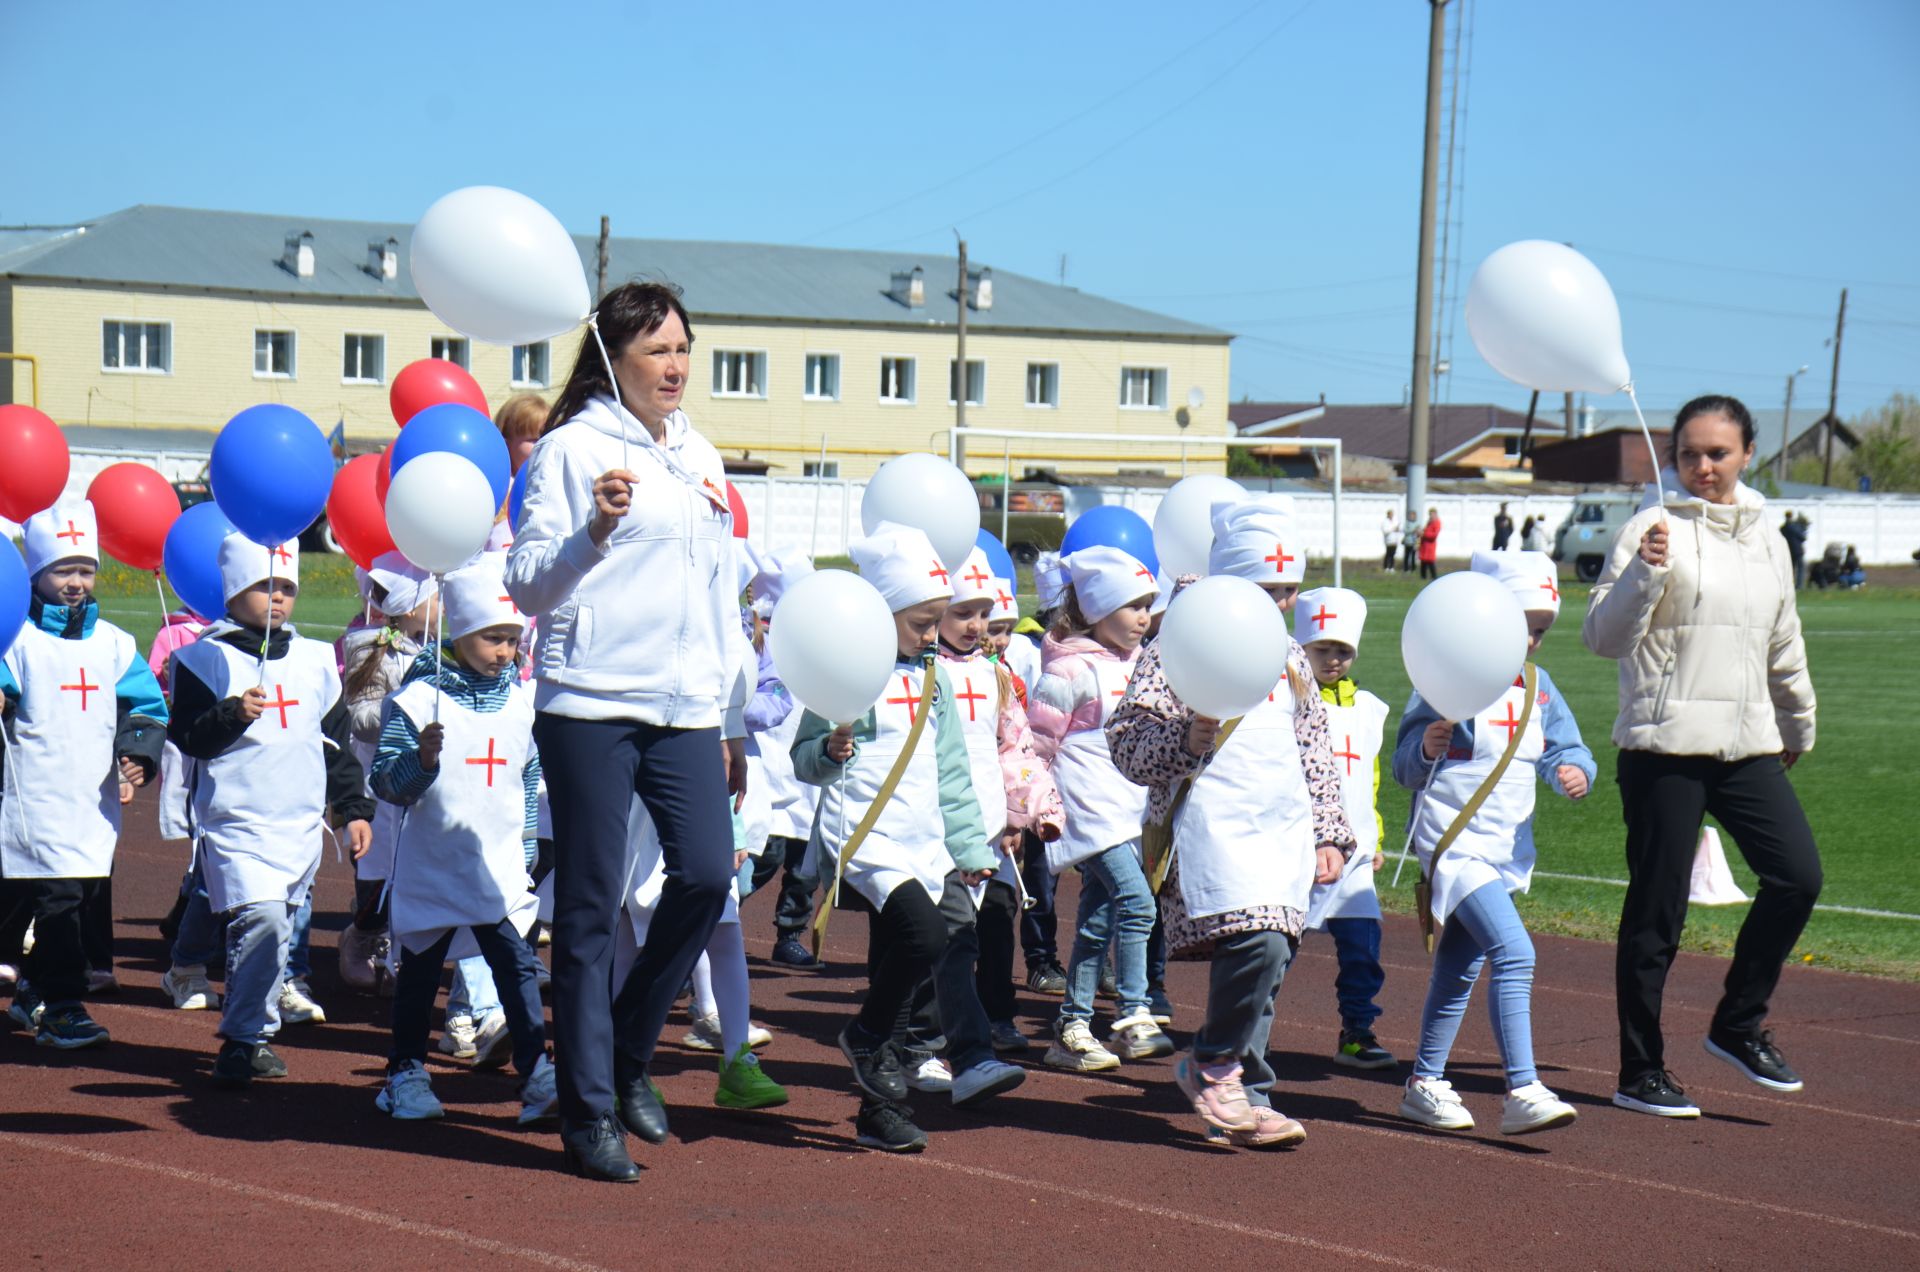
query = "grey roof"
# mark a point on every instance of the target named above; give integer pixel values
(241, 252)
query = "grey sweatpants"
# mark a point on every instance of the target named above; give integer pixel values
(1241, 984)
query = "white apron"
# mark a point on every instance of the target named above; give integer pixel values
(650, 877)
(60, 811)
(258, 807)
(908, 843)
(1355, 734)
(459, 861)
(1023, 659)
(790, 801)
(176, 794)
(1497, 845)
(1244, 837)
(976, 700)
(1103, 809)
(377, 862)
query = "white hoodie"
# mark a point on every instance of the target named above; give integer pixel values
(646, 626)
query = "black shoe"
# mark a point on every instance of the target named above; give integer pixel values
(1006, 1039)
(637, 1101)
(1359, 1049)
(170, 925)
(876, 1063)
(1757, 1059)
(599, 1151)
(791, 951)
(26, 1008)
(884, 1125)
(1656, 1093)
(233, 1067)
(1047, 978)
(267, 1063)
(68, 1027)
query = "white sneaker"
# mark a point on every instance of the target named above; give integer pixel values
(1076, 1050)
(538, 1095)
(297, 1006)
(188, 985)
(9, 975)
(1137, 1037)
(456, 1039)
(705, 1035)
(1432, 1102)
(989, 1077)
(358, 952)
(931, 1074)
(492, 1042)
(26, 939)
(408, 1094)
(1534, 1108)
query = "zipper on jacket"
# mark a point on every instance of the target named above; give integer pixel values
(1666, 683)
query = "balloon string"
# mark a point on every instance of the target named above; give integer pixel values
(266, 628)
(166, 620)
(1413, 813)
(1653, 452)
(439, 628)
(613, 383)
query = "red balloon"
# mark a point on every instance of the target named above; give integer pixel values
(383, 477)
(739, 507)
(355, 512)
(37, 462)
(136, 507)
(429, 382)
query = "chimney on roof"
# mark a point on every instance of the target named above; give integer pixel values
(383, 259)
(297, 259)
(909, 287)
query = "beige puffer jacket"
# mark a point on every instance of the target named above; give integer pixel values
(1711, 657)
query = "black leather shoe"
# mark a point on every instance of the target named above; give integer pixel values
(599, 1151)
(637, 1101)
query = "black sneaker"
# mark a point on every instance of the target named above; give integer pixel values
(1656, 1093)
(26, 1008)
(876, 1063)
(233, 1067)
(884, 1125)
(69, 1028)
(1359, 1049)
(1006, 1039)
(267, 1063)
(1757, 1059)
(1047, 978)
(791, 951)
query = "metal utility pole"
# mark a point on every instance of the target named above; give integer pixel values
(600, 271)
(1786, 429)
(1833, 390)
(960, 371)
(1567, 433)
(1420, 423)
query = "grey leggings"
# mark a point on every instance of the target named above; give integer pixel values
(1241, 984)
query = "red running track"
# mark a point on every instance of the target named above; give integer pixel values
(127, 1157)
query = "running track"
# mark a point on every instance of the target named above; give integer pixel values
(126, 1157)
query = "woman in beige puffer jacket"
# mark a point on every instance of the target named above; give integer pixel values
(1697, 605)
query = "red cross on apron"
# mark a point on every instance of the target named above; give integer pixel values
(908, 698)
(281, 702)
(970, 697)
(488, 761)
(83, 688)
(1551, 590)
(1509, 724)
(1349, 755)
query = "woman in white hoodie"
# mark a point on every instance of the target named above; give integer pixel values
(1697, 604)
(625, 552)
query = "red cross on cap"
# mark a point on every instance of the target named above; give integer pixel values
(939, 571)
(977, 577)
(1003, 600)
(1320, 619)
(280, 553)
(509, 601)
(1280, 558)
(72, 534)
(1551, 590)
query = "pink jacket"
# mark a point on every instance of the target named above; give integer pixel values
(1033, 801)
(1066, 698)
(182, 628)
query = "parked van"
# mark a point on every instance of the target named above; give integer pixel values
(1587, 535)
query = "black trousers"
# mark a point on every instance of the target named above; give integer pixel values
(999, 911)
(921, 955)
(1429, 570)
(793, 909)
(594, 770)
(515, 974)
(1393, 550)
(1039, 925)
(56, 967)
(1665, 798)
(96, 923)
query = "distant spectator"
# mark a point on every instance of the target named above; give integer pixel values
(1502, 529)
(1851, 573)
(1409, 545)
(1430, 545)
(1794, 531)
(1534, 537)
(1390, 538)
(520, 419)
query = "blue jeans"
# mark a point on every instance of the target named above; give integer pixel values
(258, 934)
(474, 992)
(1117, 906)
(1483, 928)
(198, 942)
(1356, 943)
(300, 946)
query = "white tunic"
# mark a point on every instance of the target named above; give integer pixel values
(60, 811)
(790, 801)
(1355, 734)
(650, 876)
(1103, 809)
(976, 701)
(1497, 845)
(908, 843)
(1244, 837)
(459, 861)
(259, 805)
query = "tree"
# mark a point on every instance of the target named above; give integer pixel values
(1888, 455)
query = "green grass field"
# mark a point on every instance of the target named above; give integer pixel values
(1866, 668)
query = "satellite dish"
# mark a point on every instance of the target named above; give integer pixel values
(1195, 398)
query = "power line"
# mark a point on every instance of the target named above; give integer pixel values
(1401, 277)
(1739, 269)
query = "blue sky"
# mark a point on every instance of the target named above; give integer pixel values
(1730, 165)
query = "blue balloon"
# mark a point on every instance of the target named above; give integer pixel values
(271, 472)
(16, 590)
(517, 498)
(191, 557)
(1113, 527)
(998, 559)
(456, 427)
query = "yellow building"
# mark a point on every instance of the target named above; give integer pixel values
(173, 319)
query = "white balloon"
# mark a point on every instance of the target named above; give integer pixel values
(833, 644)
(440, 511)
(1464, 640)
(1183, 524)
(1223, 644)
(1542, 315)
(495, 265)
(928, 493)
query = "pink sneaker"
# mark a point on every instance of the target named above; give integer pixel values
(1272, 1130)
(1216, 1094)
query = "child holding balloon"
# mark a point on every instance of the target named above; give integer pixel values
(85, 715)
(1255, 819)
(1475, 858)
(1105, 608)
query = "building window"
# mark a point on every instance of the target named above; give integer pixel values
(1043, 384)
(823, 377)
(452, 349)
(976, 381)
(896, 380)
(136, 346)
(737, 373)
(1143, 388)
(530, 366)
(364, 360)
(273, 354)
(828, 469)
